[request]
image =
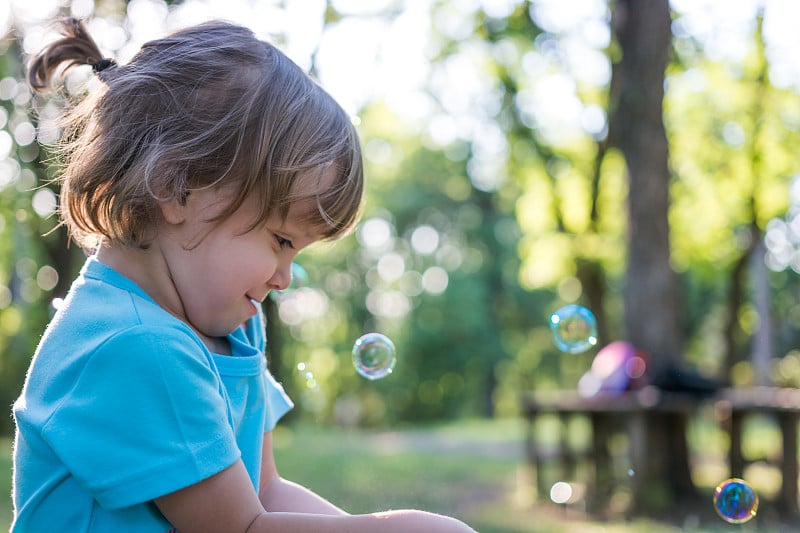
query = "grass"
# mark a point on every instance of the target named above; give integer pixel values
(449, 469)
(473, 470)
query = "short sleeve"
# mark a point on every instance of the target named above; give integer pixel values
(278, 402)
(147, 416)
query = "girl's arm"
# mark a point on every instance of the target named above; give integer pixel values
(278, 494)
(226, 502)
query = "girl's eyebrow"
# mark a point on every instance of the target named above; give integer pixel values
(296, 224)
(295, 232)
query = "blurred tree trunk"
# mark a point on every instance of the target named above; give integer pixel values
(652, 307)
(761, 349)
(496, 295)
(651, 303)
(752, 259)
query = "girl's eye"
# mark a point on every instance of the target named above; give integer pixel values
(283, 243)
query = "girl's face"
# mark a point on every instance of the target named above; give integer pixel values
(219, 270)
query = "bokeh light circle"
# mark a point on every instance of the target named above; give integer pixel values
(561, 492)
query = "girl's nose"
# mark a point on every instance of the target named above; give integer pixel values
(282, 277)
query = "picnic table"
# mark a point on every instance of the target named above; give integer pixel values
(627, 412)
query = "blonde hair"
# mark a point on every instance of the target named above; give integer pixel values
(205, 107)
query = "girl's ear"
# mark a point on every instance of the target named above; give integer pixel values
(173, 211)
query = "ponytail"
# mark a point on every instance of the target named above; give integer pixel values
(75, 48)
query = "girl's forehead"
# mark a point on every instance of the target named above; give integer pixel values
(302, 217)
(315, 180)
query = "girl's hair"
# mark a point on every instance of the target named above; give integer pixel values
(208, 106)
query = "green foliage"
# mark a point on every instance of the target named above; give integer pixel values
(550, 229)
(732, 149)
(5, 484)
(28, 275)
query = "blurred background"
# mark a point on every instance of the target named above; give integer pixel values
(638, 158)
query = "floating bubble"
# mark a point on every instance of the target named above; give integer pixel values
(574, 328)
(735, 501)
(374, 356)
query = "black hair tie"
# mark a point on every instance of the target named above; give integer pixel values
(103, 64)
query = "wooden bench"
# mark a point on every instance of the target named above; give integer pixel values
(627, 412)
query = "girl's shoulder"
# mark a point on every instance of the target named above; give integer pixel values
(102, 302)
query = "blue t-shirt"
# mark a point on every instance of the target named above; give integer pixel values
(123, 403)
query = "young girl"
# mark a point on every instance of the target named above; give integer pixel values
(202, 168)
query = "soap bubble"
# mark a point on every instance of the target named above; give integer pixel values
(574, 329)
(735, 501)
(374, 356)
